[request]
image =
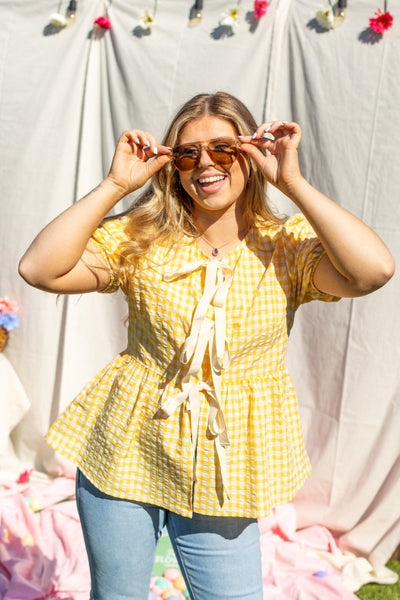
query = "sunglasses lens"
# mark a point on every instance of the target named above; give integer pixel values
(185, 163)
(223, 152)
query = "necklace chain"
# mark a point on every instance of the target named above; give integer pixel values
(214, 250)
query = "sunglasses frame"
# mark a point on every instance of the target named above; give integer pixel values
(232, 152)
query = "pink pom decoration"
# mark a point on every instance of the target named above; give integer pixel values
(260, 8)
(103, 22)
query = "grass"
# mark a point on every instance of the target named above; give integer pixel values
(375, 591)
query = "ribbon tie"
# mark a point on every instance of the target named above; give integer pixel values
(205, 332)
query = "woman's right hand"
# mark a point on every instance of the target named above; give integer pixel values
(131, 167)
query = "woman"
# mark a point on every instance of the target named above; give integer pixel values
(195, 425)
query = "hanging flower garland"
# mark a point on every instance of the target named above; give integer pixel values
(58, 20)
(230, 19)
(325, 18)
(382, 20)
(71, 12)
(196, 13)
(148, 18)
(260, 8)
(103, 22)
(332, 16)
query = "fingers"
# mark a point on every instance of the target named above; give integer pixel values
(272, 131)
(145, 146)
(157, 164)
(137, 157)
(142, 143)
(275, 129)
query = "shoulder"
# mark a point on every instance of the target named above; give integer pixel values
(296, 226)
(115, 225)
(111, 232)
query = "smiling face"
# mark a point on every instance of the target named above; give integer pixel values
(213, 189)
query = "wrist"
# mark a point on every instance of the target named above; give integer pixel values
(295, 188)
(113, 189)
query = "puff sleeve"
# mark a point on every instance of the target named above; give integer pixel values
(303, 251)
(107, 239)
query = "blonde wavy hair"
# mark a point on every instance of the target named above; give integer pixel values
(164, 211)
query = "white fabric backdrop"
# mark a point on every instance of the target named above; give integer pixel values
(64, 99)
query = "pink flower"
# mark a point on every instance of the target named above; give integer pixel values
(24, 477)
(103, 22)
(260, 8)
(7, 305)
(381, 22)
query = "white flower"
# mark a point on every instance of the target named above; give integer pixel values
(326, 18)
(230, 19)
(58, 20)
(146, 20)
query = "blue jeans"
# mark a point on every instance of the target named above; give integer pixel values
(219, 557)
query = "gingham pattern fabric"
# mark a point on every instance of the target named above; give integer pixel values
(199, 413)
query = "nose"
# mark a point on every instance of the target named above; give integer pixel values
(205, 159)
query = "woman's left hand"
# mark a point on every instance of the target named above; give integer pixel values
(281, 166)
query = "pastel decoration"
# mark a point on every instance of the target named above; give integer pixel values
(4, 534)
(157, 590)
(162, 583)
(320, 574)
(36, 504)
(24, 476)
(179, 583)
(28, 540)
(171, 574)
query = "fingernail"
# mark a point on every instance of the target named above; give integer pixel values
(137, 141)
(254, 135)
(268, 128)
(155, 150)
(146, 147)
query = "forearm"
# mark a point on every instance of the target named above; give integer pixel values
(356, 252)
(357, 260)
(60, 245)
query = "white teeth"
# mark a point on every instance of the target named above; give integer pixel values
(211, 179)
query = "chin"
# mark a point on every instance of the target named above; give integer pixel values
(214, 205)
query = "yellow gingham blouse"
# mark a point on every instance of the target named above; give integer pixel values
(199, 413)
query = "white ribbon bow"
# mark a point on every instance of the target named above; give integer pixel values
(205, 332)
